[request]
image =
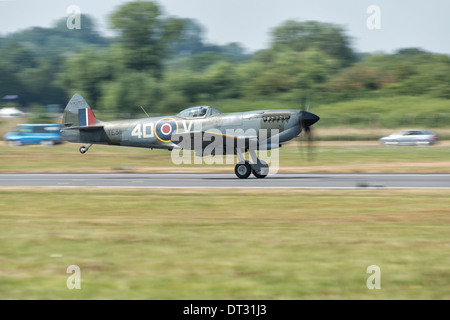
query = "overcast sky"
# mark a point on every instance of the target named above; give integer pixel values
(404, 23)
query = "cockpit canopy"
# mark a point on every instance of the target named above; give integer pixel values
(199, 112)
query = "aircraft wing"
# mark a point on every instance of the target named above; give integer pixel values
(209, 134)
(201, 139)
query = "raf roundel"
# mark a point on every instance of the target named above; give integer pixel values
(164, 129)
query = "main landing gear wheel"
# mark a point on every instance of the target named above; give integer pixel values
(262, 171)
(243, 170)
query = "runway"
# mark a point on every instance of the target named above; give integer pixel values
(228, 180)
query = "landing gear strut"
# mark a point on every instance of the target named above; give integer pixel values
(84, 149)
(243, 169)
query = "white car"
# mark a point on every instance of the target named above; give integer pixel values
(411, 137)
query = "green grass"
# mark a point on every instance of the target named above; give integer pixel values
(175, 244)
(395, 104)
(347, 157)
(342, 157)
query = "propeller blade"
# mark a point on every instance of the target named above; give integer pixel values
(306, 120)
(310, 146)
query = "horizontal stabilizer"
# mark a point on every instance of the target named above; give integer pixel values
(84, 128)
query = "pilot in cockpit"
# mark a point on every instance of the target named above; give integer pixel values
(202, 112)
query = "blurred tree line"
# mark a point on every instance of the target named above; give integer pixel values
(164, 64)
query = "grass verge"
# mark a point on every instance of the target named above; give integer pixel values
(325, 157)
(236, 244)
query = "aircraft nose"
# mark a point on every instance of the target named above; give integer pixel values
(308, 118)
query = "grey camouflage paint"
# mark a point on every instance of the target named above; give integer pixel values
(149, 132)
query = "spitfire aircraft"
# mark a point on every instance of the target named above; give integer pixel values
(264, 130)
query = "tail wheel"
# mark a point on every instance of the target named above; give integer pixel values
(83, 150)
(243, 170)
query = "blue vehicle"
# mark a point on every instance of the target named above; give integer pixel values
(45, 134)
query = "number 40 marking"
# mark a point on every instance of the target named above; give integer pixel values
(143, 130)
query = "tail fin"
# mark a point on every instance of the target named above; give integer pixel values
(79, 123)
(78, 113)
